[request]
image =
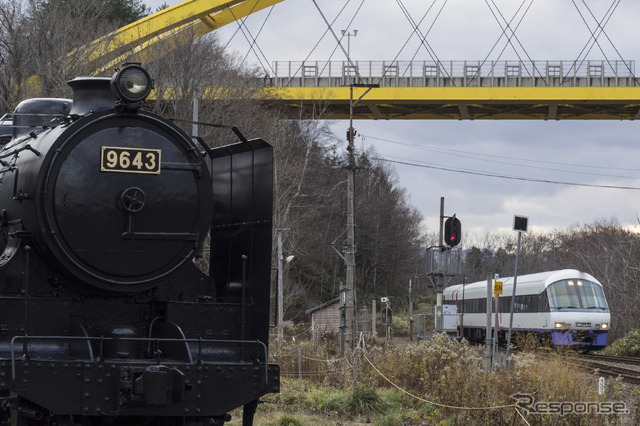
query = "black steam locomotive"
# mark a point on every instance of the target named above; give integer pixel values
(104, 317)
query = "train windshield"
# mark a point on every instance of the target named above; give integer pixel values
(576, 293)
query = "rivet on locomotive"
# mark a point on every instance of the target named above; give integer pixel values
(104, 317)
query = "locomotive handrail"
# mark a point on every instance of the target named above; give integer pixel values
(200, 342)
(234, 129)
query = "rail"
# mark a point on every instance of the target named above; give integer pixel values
(591, 73)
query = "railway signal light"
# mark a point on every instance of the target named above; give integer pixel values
(452, 231)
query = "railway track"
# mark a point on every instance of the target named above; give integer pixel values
(628, 368)
(611, 358)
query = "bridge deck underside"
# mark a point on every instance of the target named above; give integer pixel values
(462, 103)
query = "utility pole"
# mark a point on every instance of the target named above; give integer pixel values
(347, 292)
(348, 299)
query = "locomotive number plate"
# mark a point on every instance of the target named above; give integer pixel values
(130, 160)
(583, 324)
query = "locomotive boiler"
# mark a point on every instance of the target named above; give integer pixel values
(104, 317)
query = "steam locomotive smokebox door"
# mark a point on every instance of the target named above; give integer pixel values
(138, 189)
(241, 226)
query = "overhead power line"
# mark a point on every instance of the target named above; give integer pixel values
(500, 176)
(508, 160)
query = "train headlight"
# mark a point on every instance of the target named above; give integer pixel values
(132, 83)
(559, 325)
(604, 326)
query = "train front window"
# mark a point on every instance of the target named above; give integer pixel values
(576, 293)
(592, 296)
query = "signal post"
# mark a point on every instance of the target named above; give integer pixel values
(444, 261)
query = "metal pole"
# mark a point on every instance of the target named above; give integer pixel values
(488, 340)
(513, 298)
(464, 278)
(410, 314)
(374, 332)
(439, 309)
(433, 309)
(280, 288)
(196, 111)
(440, 243)
(495, 327)
(388, 320)
(440, 279)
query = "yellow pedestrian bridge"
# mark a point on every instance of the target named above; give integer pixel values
(462, 90)
(548, 90)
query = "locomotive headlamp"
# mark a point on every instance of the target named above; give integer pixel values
(132, 83)
(604, 325)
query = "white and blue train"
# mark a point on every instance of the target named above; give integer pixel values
(565, 307)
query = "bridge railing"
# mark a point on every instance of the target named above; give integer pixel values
(594, 73)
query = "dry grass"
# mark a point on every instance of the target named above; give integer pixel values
(436, 382)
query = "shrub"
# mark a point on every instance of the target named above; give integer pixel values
(435, 376)
(400, 325)
(628, 345)
(327, 399)
(287, 420)
(365, 401)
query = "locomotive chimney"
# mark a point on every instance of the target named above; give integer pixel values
(91, 94)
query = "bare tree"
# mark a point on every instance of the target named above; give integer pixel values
(38, 38)
(41, 49)
(14, 54)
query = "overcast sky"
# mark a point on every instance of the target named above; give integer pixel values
(600, 153)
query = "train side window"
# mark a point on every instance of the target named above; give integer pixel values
(532, 303)
(505, 304)
(542, 303)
